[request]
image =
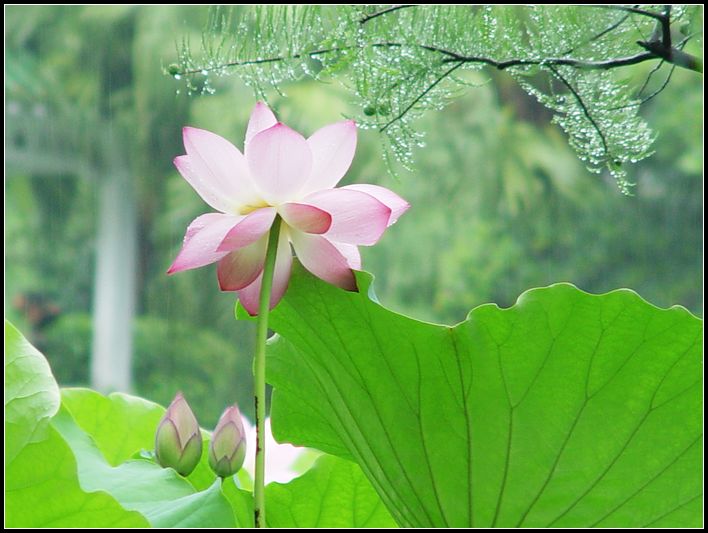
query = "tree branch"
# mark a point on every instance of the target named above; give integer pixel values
(648, 79)
(660, 89)
(636, 10)
(649, 76)
(420, 96)
(312, 54)
(673, 55)
(384, 11)
(586, 112)
(659, 46)
(597, 36)
(554, 61)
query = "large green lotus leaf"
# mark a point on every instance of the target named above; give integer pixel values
(334, 493)
(42, 490)
(41, 483)
(160, 494)
(241, 502)
(567, 409)
(31, 393)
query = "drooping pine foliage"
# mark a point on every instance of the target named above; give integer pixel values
(400, 61)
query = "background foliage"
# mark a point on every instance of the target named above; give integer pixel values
(500, 201)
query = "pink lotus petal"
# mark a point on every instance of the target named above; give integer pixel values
(350, 253)
(307, 218)
(201, 222)
(241, 267)
(357, 217)
(250, 295)
(333, 150)
(249, 229)
(390, 199)
(201, 241)
(203, 187)
(280, 161)
(323, 259)
(261, 119)
(220, 166)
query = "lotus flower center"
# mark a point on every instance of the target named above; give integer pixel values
(250, 208)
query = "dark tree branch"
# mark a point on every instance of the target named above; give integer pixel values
(600, 35)
(649, 76)
(551, 61)
(644, 86)
(660, 44)
(312, 54)
(246, 62)
(653, 51)
(666, 28)
(655, 48)
(648, 79)
(384, 11)
(419, 97)
(660, 89)
(586, 112)
(636, 10)
(673, 55)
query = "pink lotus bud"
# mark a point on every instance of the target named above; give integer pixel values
(227, 449)
(178, 441)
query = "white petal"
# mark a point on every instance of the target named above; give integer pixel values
(323, 259)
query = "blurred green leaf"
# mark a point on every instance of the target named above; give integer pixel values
(31, 394)
(42, 490)
(333, 493)
(119, 424)
(122, 425)
(241, 502)
(567, 409)
(41, 483)
(160, 494)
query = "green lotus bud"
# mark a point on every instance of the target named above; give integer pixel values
(178, 441)
(227, 448)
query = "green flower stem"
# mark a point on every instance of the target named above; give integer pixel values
(259, 373)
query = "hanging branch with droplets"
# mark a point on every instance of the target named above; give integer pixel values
(403, 60)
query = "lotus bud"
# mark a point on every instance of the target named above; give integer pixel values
(178, 441)
(227, 449)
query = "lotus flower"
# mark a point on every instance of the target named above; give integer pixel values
(280, 173)
(178, 441)
(227, 448)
